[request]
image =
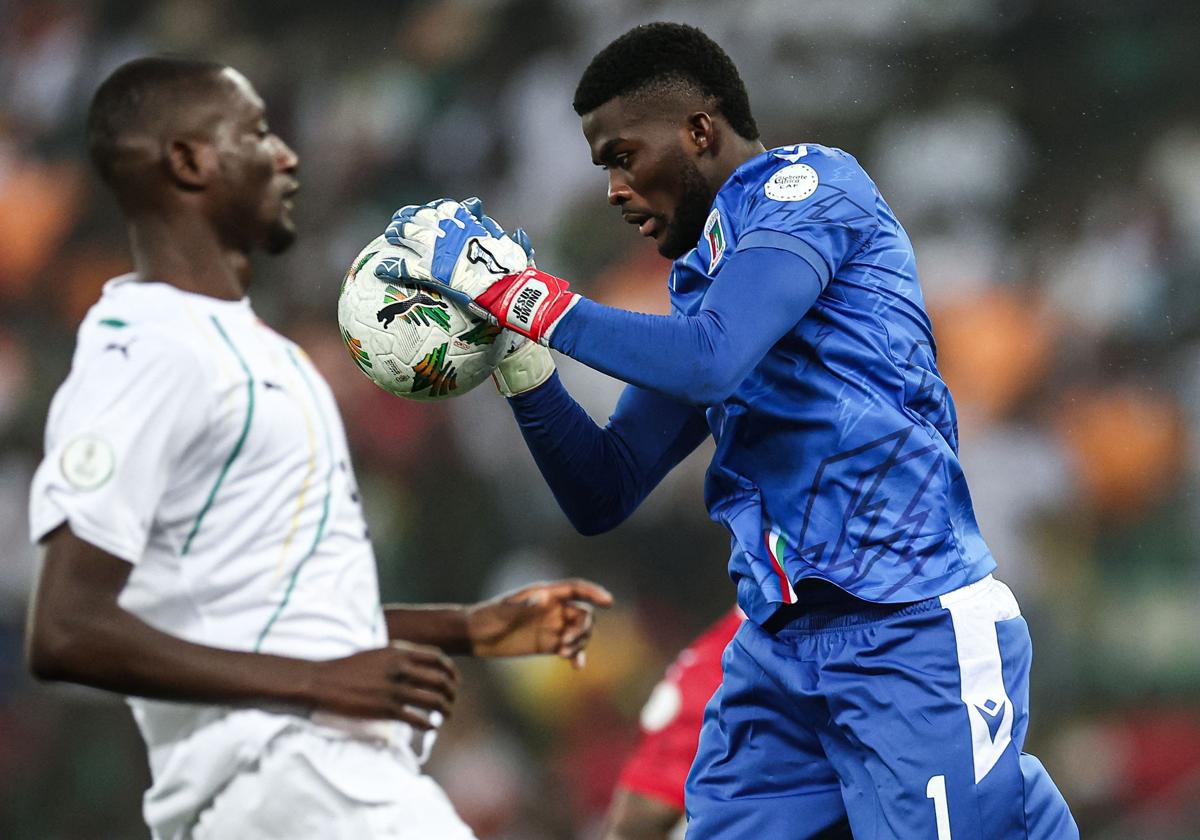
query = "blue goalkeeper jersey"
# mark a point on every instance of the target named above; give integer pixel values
(837, 457)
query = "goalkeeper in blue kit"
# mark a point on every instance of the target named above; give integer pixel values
(880, 687)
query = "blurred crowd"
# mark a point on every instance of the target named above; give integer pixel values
(1044, 157)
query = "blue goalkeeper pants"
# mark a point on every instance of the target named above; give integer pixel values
(881, 722)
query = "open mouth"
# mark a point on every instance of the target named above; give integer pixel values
(647, 225)
(285, 198)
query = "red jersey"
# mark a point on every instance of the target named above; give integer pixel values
(672, 716)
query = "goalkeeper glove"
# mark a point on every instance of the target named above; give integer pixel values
(527, 364)
(444, 245)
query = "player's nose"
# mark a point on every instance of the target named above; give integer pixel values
(286, 160)
(618, 190)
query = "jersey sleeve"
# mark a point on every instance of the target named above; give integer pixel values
(132, 404)
(822, 208)
(696, 359)
(599, 475)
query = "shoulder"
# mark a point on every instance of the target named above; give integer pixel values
(791, 174)
(142, 328)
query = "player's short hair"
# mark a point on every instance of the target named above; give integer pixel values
(664, 55)
(138, 97)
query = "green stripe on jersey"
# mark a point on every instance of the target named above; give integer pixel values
(237, 447)
(320, 532)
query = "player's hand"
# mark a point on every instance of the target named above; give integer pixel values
(445, 245)
(474, 206)
(402, 681)
(527, 364)
(553, 618)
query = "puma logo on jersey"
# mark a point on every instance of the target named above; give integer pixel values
(124, 348)
(389, 313)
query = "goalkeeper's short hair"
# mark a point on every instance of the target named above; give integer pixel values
(663, 55)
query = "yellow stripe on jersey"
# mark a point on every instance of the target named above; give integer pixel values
(305, 485)
(320, 532)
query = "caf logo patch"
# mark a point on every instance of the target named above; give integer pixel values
(714, 235)
(87, 462)
(792, 183)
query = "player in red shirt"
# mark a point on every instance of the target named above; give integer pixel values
(648, 803)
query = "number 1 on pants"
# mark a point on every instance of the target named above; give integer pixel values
(936, 790)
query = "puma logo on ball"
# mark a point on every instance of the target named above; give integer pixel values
(386, 315)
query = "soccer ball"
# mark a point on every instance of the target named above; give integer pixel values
(411, 341)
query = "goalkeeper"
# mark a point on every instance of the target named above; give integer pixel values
(880, 685)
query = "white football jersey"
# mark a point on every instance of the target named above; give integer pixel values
(204, 448)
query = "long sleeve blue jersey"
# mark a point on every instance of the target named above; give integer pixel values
(798, 338)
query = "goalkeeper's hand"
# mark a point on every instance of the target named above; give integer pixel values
(467, 258)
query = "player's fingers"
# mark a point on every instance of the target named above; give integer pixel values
(576, 636)
(434, 683)
(579, 660)
(522, 239)
(405, 213)
(578, 614)
(474, 206)
(400, 265)
(430, 701)
(533, 595)
(425, 656)
(578, 589)
(574, 589)
(435, 670)
(412, 717)
(419, 231)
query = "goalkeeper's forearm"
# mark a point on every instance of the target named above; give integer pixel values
(758, 298)
(600, 475)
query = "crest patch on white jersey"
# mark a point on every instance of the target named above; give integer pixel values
(87, 462)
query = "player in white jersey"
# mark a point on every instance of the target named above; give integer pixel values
(205, 551)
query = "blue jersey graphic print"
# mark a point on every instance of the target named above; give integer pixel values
(837, 457)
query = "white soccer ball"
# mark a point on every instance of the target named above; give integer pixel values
(411, 341)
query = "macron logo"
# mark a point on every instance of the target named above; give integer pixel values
(993, 716)
(526, 302)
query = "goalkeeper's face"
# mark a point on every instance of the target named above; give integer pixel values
(653, 175)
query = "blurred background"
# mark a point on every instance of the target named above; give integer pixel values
(1045, 158)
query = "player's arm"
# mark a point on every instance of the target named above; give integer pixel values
(599, 475)
(633, 816)
(543, 618)
(760, 294)
(758, 297)
(79, 633)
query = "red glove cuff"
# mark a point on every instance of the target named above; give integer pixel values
(531, 302)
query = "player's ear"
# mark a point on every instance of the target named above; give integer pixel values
(190, 163)
(702, 132)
